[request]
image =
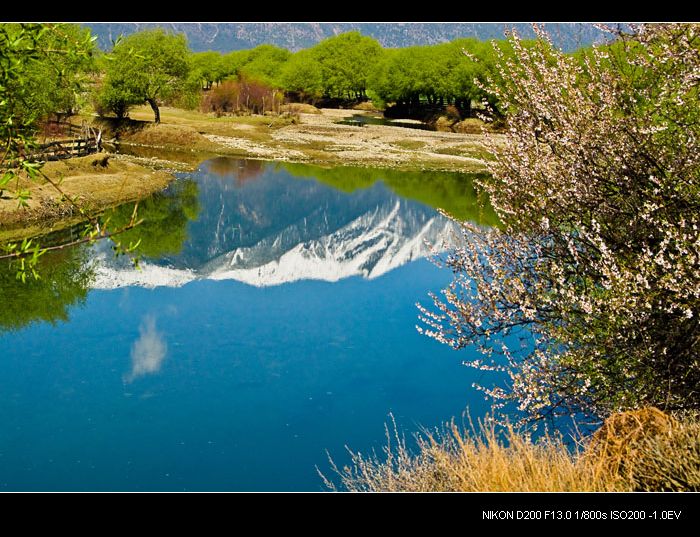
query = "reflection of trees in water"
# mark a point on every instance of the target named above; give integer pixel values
(65, 279)
(454, 192)
(66, 275)
(165, 216)
(242, 170)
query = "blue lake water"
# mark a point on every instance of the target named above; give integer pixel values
(272, 321)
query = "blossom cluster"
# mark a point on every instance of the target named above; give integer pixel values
(588, 295)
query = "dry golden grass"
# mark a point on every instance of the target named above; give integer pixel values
(366, 106)
(649, 449)
(299, 108)
(171, 136)
(471, 126)
(618, 442)
(669, 462)
(187, 129)
(657, 453)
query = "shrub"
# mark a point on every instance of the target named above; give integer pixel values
(670, 462)
(222, 99)
(452, 113)
(243, 96)
(642, 450)
(478, 459)
(111, 99)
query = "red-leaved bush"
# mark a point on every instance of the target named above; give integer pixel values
(242, 96)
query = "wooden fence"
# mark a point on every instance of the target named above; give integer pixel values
(68, 140)
(84, 141)
(61, 149)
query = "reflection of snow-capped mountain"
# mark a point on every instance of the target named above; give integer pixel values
(111, 275)
(369, 246)
(377, 241)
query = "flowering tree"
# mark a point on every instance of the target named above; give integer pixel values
(597, 263)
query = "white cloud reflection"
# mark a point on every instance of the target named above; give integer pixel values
(148, 351)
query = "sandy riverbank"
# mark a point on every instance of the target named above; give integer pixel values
(94, 188)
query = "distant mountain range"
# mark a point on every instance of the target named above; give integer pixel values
(225, 37)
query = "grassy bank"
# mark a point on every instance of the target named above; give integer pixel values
(643, 450)
(92, 186)
(302, 136)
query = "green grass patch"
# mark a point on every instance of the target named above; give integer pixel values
(409, 144)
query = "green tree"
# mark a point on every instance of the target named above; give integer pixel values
(449, 73)
(148, 66)
(232, 63)
(264, 63)
(346, 62)
(52, 74)
(399, 77)
(380, 87)
(115, 97)
(471, 63)
(43, 70)
(301, 74)
(207, 67)
(26, 51)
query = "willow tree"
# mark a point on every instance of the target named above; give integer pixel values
(588, 296)
(147, 67)
(346, 62)
(207, 67)
(41, 67)
(448, 73)
(42, 70)
(301, 74)
(38, 66)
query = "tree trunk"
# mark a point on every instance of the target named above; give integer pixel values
(156, 111)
